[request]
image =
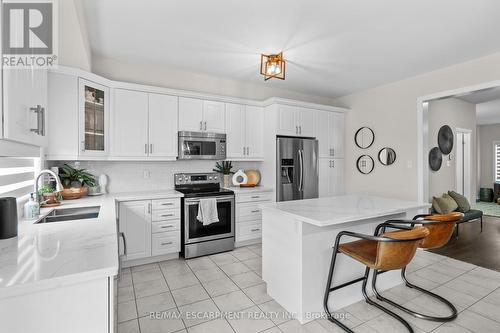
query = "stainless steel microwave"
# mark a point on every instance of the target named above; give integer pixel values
(202, 146)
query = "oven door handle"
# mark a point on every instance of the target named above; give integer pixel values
(219, 199)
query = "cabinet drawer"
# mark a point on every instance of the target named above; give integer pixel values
(254, 197)
(163, 226)
(166, 214)
(166, 203)
(165, 243)
(248, 230)
(249, 210)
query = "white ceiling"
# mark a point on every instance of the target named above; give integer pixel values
(488, 112)
(333, 47)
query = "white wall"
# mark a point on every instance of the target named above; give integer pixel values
(487, 134)
(456, 114)
(150, 74)
(129, 176)
(74, 49)
(391, 110)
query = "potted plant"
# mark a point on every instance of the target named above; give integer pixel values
(49, 197)
(225, 168)
(75, 182)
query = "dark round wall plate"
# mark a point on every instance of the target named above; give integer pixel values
(435, 159)
(445, 139)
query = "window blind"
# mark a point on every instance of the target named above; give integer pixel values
(497, 161)
(17, 176)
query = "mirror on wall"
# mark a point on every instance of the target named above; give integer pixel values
(365, 164)
(364, 137)
(387, 156)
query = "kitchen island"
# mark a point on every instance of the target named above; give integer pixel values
(297, 242)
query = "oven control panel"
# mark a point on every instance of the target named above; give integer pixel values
(196, 178)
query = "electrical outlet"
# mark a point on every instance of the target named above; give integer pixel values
(146, 174)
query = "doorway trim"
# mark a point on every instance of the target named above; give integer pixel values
(467, 165)
(423, 130)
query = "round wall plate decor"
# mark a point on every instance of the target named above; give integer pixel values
(365, 164)
(435, 159)
(445, 139)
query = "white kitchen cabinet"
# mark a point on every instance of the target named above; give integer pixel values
(190, 114)
(198, 115)
(235, 131)
(295, 121)
(331, 177)
(244, 127)
(214, 117)
(25, 110)
(135, 223)
(330, 132)
(287, 124)
(249, 216)
(163, 125)
(144, 125)
(130, 123)
(93, 118)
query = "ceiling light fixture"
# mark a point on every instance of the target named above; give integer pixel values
(272, 66)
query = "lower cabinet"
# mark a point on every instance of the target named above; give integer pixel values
(249, 216)
(331, 175)
(151, 227)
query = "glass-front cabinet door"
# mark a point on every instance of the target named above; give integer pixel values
(94, 118)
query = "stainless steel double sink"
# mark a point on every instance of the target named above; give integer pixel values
(70, 214)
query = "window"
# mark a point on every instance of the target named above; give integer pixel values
(17, 176)
(496, 160)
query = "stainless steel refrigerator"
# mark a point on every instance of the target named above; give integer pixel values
(297, 168)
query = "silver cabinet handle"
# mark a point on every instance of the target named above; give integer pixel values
(300, 129)
(243, 150)
(333, 164)
(167, 243)
(254, 230)
(167, 204)
(255, 211)
(149, 208)
(150, 148)
(296, 129)
(166, 215)
(201, 125)
(40, 120)
(166, 226)
(248, 150)
(255, 197)
(333, 152)
(205, 125)
(122, 235)
(330, 164)
(146, 148)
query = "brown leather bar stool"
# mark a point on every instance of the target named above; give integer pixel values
(389, 251)
(440, 229)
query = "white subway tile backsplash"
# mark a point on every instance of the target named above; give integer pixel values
(125, 176)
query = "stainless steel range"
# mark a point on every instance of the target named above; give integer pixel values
(199, 239)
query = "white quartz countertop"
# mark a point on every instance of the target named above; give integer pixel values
(49, 255)
(324, 212)
(243, 190)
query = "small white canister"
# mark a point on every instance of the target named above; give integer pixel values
(240, 177)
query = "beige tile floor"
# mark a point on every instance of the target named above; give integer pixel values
(231, 282)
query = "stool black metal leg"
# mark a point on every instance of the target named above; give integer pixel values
(481, 224)
(389, 312)
(414, 313)
(329, 289)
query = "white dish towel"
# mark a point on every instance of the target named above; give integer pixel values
(207, 211)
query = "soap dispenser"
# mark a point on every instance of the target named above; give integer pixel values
(31, 208)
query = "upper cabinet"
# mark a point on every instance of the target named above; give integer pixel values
(244, 127)
(197, 115)
(330, 131)
(295, 121)
(94, 118)
(25, 110)
(144, 125)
